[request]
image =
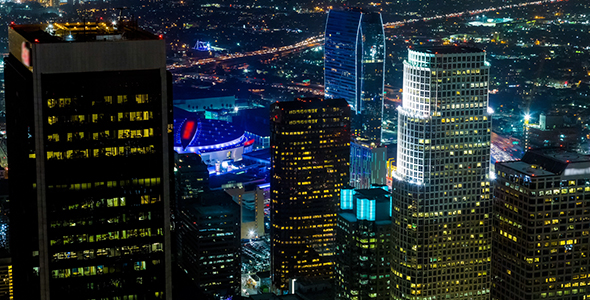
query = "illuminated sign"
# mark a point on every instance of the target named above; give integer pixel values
(576, 171)
(25, 54)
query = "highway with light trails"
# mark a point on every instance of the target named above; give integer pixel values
(315, 41)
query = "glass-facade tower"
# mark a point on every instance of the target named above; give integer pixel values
(91, 164)
(310, 148)
(353, 68)
(440, 191)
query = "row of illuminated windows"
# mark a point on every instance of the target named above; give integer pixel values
(119, 99)
(126, 297)
(140, 216)
(112, 235)
(308, 121)
(112, 202)
(100, 152)
(93, 270)
(302, 111)
(107, 134)
(428, 57)
(97, 118)
(561, 293)
(111, 184)
(108, 252)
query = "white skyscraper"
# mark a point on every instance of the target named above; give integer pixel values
(441, 193)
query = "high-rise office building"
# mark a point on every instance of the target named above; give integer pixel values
(310, 149)
(89, 124)
(208, 233)
(363, 245)
(441, 193)
(353, 68)
(540, 227)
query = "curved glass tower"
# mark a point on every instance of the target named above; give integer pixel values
(441, 192)
(353, 68)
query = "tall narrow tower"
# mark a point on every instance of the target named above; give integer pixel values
(89, 119)
(310, 148)
(353, 68)
(441, 192)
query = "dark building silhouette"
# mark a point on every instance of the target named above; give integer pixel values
(192, 176)
(540, 226)
(89, 119)
(208, 232)
(310, 151)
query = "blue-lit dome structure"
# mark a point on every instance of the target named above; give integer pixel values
(214, 140)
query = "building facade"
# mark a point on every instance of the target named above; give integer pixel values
(208, 232)
(251, 199)
(540, 227)
(310, 149)
(440, 190)
(353, 68)
(89, 117)
(368, 165)
(363, 255)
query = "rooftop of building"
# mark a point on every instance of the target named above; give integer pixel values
(83, 32)
(457, 49)
(311, 103)
(348, 216)
(259, 154)
(550, 162)
(373, 193)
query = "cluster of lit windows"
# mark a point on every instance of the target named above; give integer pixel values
(123, 218)
(111, 235)
(120, 99)
(100, 152)
(94, 270)
(302, 111)
(110, 184)
(108, 252)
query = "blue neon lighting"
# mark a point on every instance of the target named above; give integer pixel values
(346, 198)
(365, 209)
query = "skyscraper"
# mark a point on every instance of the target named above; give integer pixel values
(353, 68)
(208, 235)
(310, 148)
(363, 254)
(91, 164)
(541, 228)
(441, 192)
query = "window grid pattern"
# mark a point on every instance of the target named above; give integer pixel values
(441, 193)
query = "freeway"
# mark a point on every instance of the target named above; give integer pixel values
(318, 40)
(307, 43)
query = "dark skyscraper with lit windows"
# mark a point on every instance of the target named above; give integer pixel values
(541, 229)
(310, 149)
(441, 191)
(354, 66)
(91, 164)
